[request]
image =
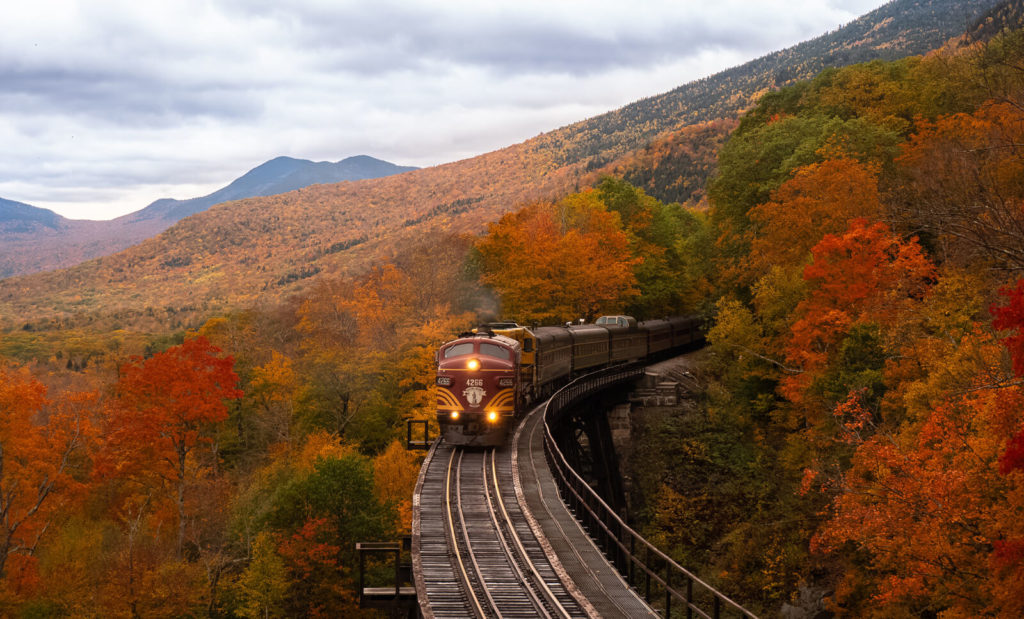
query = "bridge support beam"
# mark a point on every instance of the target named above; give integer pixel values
(585, 437)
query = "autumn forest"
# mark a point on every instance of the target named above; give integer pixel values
(857, 255)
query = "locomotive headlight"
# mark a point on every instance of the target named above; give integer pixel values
(454, 415)
(508, 381)
(492, 416)
(473, 364)
(444, 381)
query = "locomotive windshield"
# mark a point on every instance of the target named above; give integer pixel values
(464, 348)
(486, 348)
(495, 351)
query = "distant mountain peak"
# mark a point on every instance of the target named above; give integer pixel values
(34, 239)
(21, 217)
(278, 175)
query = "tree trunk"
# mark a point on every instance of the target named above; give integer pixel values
(182, 455)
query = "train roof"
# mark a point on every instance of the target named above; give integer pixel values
(619, 321)
(501, 324)
(486, 335)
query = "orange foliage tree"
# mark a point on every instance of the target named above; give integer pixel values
(166, 408)
(819, 199)
(936, 524)
(964, 177)
(39, 441)
(556, 262)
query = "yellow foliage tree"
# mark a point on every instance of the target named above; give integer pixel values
(394, 475)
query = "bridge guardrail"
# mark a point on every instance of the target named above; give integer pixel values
(635, 558)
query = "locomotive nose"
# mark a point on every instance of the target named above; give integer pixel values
(476, 380)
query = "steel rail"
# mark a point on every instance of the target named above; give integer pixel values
(552, 601)
(500, 535)
(470, 592)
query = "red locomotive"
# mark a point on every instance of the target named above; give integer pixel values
(487, 378)
(477, 387)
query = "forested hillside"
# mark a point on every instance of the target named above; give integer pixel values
(892, 31)
(860, 451)
(272, 247)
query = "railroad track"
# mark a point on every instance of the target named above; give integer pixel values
(479, 557)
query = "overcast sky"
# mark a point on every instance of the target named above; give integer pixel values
(106, 106)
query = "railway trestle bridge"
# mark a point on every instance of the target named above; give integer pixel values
(516, 531)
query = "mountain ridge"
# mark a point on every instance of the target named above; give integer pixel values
(18, 216)
(34, 239)
(255, 249)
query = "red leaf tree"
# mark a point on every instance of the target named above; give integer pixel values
(865, 275)
(166, 407)
(1010, 317)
